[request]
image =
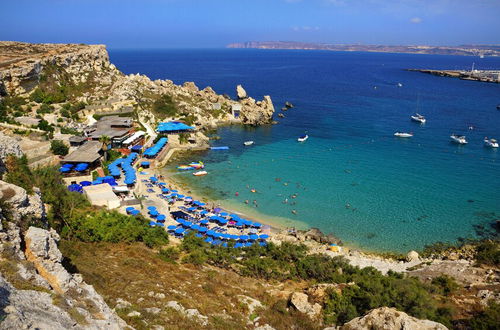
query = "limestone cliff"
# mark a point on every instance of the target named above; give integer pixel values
(84, 73)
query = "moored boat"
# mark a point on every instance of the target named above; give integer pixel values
(303, 138)
(492, 143)
(403, 134)
(418, 118)
(248, 143)
(460, 139)
(200, 173)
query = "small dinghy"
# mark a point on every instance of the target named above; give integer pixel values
(248, 143)
(492, 143)
(303, 138)
(460, 139)
(200, 173)
(403, 134)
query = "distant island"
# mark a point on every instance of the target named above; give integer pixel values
(465, 50)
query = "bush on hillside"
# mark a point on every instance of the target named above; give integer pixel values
(488, 253)
(58, 148)
(165, 106)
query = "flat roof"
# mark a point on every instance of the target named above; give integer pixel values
(86, 153)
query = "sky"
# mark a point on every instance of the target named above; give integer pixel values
(216, 23)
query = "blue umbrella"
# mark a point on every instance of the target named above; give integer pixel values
(129, 209)
(254, 237)
(202, 204)
(248, 244)
(160, 224)
(174, 191)
(256, 225)
(238, 245)
(153, 179)
(202, 230)
(223, 221)
(235, 237)
(199, 235)
(179, 230)
(187, 224)
(160, 217)
(247, 222)
(179, 220)
(64, 169)
(223, 214)
(208, 239)
(135, 212)
(172, 227)
(151, 208)
(195, 227)
(211, 233)
(264, 236)
(153, 213)
(203, 212)
(165, 190)
(217, 242)
(224, 244)
(204, 222)
(234, 216)
(152, 223)
(243, 237)
(262, 243)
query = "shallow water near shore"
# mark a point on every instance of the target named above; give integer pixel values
(351, 178)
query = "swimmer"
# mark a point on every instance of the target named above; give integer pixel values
(347, 205)
(246, 201)
(294, 211)
(294, 196)
(253, 190)
(236, 194)
(285, 201)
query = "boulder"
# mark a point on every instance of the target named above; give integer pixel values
(390, 318)
(241, 92)
(299, 300)
(412, 256)
(8, 146)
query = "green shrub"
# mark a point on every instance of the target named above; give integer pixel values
(45, 108)
(489, 319)
(45, 126)
(165, 106)
(18, 172)
(169, 254)
(445, 284)
(488, 253)
(58, 148)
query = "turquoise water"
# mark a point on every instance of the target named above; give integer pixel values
(351, 178)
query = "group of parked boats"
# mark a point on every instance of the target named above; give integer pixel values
(460, 139)
(193, 166)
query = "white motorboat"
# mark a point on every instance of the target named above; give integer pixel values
(418, 118)
(460, 139)
(303, 138)
(248, 143)
(492, 143)
(403, 134)
(200, 173)
(400, 85)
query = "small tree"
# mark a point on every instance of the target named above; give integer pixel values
(58, 148)
(105, 140)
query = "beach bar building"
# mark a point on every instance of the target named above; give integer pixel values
(102, 195)
(88, 153)
(118, 129)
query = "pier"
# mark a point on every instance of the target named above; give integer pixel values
(491, 76)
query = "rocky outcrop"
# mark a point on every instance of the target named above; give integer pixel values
(29, 309)
(412, 256)
(390, 319)
(257, 113)
(241, 92)
(192, 313)
(8, 146)
(300, 301)
(23, 205)
(42, 251)
(28, 62)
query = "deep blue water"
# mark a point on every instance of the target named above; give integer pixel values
(352, 177)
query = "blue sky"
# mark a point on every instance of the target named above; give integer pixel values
(215, 23)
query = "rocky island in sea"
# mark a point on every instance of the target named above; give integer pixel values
(82, 259)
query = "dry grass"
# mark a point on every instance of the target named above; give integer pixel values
(131, 272)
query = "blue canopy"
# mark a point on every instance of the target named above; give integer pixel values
(135, 212)
(129, 209)
(202, 230)
(203, 212)
(204, 222)
(172, 227)
(243, 237)
(75, 187)
(210, 233)
(160, 217)
(136, 148)
(152, 223)
(64, 169)
(144, 163)
(256, 225)
(223, 221)
(264, 236)
(235, 237)
(153, 212)
(208, 239)
(199, 235)
(68, 165)
(254, 237)
(238, 245)
(195, 227)
(81, 167)
(165, 190)
(248, 244)
(173, 126)
(223, 214)
(153, 179)
(247, 222)
(187, 224)
(180, 230)
(85, 183)
(151, 208)
(234, 216)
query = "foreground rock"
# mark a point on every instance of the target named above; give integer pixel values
(42, 251)
(390, 318)
(8, 146)
(300, 301)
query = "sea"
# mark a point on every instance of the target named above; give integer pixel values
(352, 178)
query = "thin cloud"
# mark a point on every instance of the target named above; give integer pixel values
(305, 28)
(416, 20)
